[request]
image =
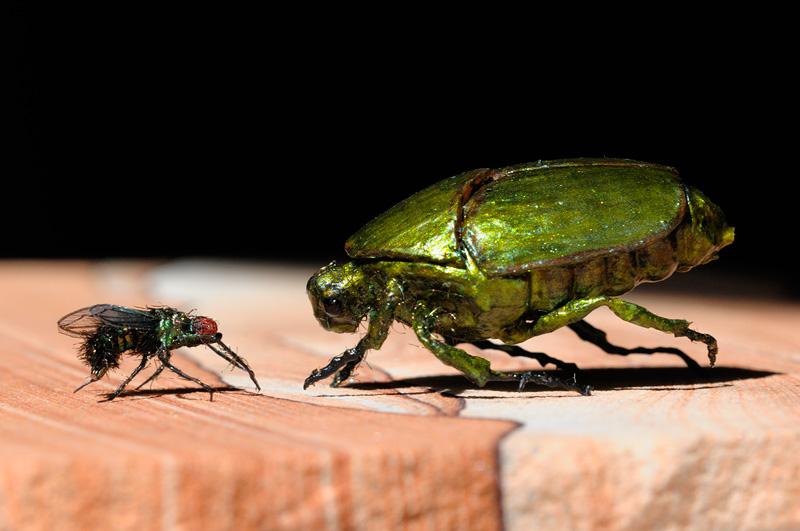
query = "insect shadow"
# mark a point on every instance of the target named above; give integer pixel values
(605, 379)
(179, 391)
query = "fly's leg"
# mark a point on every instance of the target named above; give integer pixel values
(91, 379)
(576, 310)
(164, 357)
(597, 337)
(514, 350)
(235, 360)
(127, 380)
(476, 369)
(379, 321)
(151, 377)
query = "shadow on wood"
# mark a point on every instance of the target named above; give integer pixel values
(179, 391)
(655, 378)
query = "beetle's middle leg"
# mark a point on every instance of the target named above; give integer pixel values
(514, 350)
(597, 337)
(576, 310)
(478, 370)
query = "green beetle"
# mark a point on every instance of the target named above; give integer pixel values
(514, 253)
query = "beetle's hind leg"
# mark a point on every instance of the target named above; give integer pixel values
(514, 350)
(597, 337)
(575, 311)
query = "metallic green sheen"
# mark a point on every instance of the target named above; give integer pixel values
(421, 228)
(518, 252)
(552, 214)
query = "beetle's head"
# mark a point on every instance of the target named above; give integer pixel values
(340, 295)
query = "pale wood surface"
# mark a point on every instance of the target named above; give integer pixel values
(655, 447)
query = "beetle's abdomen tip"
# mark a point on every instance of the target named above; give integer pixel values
(728, 235)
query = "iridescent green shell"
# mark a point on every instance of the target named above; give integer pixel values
(529, 216)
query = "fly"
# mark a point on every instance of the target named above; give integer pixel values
(108, 331)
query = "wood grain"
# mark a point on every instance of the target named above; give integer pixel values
(408, 444)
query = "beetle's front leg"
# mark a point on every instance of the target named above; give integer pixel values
(379, 321)
(350, 356)
(514, 350)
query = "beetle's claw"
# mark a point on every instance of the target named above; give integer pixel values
(313, 378)
(712, 353)
(339, 379)
(524, 378)
(543, 378)
(709, 340)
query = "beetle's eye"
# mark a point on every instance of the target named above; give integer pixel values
(333, 306)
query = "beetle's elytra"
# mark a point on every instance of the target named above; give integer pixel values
(518, 252)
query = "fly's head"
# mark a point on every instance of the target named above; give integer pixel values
(341, 296)
(193, 330)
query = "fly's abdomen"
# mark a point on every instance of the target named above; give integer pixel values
(103, 349)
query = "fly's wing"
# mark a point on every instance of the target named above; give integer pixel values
(84, 322)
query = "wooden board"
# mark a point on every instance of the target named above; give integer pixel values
(409, 444)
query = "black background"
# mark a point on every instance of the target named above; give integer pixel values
(257, 136)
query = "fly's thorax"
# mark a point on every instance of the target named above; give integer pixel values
(341, 295)
(169, 326)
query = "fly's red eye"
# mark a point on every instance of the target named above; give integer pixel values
(204, 326)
